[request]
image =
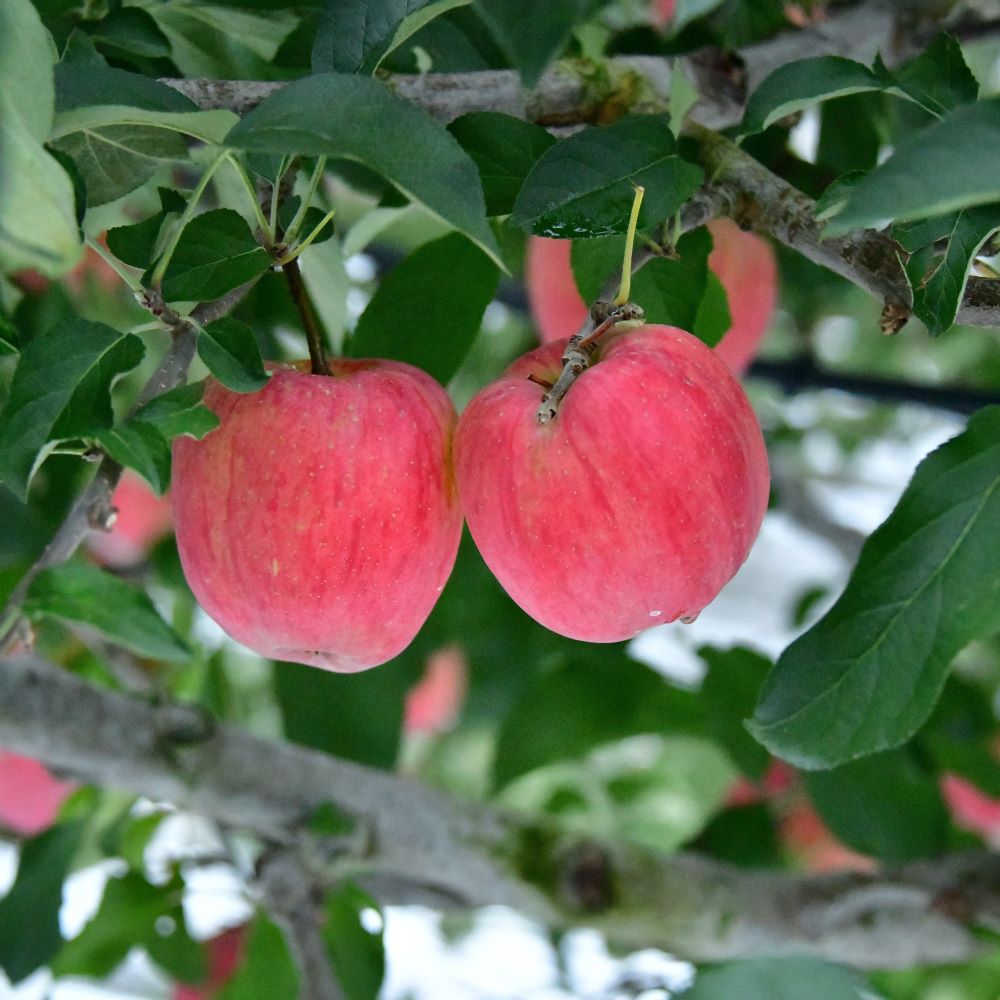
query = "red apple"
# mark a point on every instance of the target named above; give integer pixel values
(635, 504)
(142, 519)
(743, 262)
(224, 955)
(663, 11)
(432, 704)
(814, 846)
(972, 809)
(30, 797)
(320, 521)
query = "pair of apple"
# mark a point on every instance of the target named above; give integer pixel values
(320, 521)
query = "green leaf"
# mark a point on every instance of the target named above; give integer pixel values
(223, 41)
(584, 185)
(867, 675)
(357, 954)
(139, 446)
(358, 119)
(38, 225)
(353, 37)
(938, 282)
(532, 34)
(179, 411)
(128, 913)
(229, 350)
(217, 252)
(41, 407)
(29, 913)
(730, 692)
(943, 168)
(798, 84)
(713, 319)
(130, 32)
(428, 309)
(267, 970)
(85, 595)
(137, 244)
(504, 149)
(938, 79)
(369, 718)
(779, 979)
(82, 86)
(884, 806)
(175, 951)
(833, 199)
(597, 698)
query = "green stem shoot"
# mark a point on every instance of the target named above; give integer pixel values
(626, 285)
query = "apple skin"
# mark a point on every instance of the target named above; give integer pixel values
(635, 505)
(225, 952)
(142, 519)
(319, 522)
(433, 703)
(743, 262)
(30, 797)
(972, 809)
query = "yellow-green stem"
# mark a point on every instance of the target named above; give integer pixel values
(626, 285)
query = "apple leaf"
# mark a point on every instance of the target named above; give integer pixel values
(179, 411)
(79, 85)
(139, 446)
(359, 119)
(129, 31)
(532, 34)
(730, 692)
(778, 979)
(798, 84)
(446, 285)
(85, 595)
(938, 279)
(230, 352)
(884, 805)
(939, 169)
(126, 916)
(88, 357)
(938, 79)
(137, 244)
(354, 37)
(867, 675)
(598, 697)
(216, 253)
(38, 226)
(29, 913)
(584, 185)
(713, 319)
(357, 954)
(504, 149)
(267, 970)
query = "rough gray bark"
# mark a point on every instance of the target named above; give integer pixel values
(410, 843)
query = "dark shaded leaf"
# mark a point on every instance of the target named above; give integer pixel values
(584, 186)
(504, 149)
(596, 698)
(136, 244)
(140, 446)
(798, 84)
(29, 913)
(61, 389)
(357, 954)
(779, 979)
(938, 79)
(216, 253)
(428, 309)
(230, 352)
(730, 692)
(884, 806)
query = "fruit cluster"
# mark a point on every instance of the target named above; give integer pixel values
(320, 521)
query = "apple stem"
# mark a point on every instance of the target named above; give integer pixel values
(580, 350)
(317, 351)
(626, 285)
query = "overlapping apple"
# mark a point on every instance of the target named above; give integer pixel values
(320, 521)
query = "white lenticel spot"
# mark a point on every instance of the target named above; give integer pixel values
(274, 567)
(655, 614)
